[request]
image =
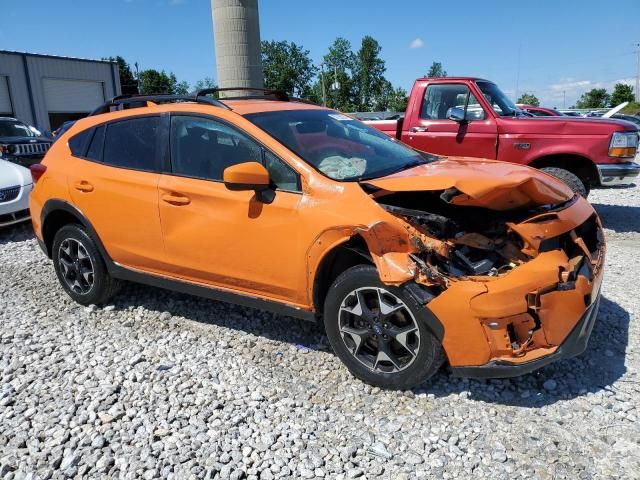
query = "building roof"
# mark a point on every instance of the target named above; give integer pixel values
(58, 57)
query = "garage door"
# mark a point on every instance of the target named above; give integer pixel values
(5, 99)
(72, 96)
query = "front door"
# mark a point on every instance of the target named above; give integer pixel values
(433, 132)
(228, 238)
(113, 179)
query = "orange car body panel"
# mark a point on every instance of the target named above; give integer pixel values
(275, 249)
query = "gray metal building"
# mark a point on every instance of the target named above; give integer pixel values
(47, 90)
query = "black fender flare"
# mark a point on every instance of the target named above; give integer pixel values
(56, 205)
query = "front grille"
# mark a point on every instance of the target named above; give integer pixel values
(15, 217)
(9, 194)
(31, 148)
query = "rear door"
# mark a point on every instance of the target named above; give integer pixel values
(430, 129)
(114, 182)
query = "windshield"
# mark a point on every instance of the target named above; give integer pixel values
(13, 128)
(500, 103)
(337, 145)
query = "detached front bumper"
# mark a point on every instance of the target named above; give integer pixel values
(618, 173)
(574, 345)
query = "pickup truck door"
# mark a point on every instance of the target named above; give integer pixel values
(429, 129)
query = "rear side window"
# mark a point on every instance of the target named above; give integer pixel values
(132, 143)
(78, 143)
(94, 152)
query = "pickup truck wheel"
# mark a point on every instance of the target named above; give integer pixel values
(80, 267)
(571, 179)
(380, 331)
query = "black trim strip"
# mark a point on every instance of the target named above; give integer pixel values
(212, 293)
(29, 89)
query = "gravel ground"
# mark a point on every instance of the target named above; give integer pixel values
(165, 385)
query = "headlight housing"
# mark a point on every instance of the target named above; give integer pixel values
(623, 144)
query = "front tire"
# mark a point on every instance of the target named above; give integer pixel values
(80, 267)
(380, 331)
(571, 179)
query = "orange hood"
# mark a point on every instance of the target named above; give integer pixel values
(480, 183)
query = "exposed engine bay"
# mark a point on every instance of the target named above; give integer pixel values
(476, 240)
(527, 273)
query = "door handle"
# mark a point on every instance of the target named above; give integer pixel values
(175, 199)
(419, 129)
(83, 186)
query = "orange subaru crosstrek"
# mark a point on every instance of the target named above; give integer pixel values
(412, 260)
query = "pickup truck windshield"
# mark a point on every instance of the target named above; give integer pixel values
(13, 128)
(500, 103)
(338, 146)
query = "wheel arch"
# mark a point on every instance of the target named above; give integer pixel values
(57, 213)
(579, 165)
(349, 253)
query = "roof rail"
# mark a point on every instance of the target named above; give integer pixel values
(266, 94)
(137, 101)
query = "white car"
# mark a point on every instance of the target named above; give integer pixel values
(15, 186)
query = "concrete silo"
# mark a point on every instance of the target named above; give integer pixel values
(236, 32)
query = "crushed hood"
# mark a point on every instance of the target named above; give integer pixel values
(479, 183)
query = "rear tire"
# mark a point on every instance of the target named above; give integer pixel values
(380, 331)
(571, 179)
(80, 267)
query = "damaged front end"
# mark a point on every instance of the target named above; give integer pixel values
(511, 285)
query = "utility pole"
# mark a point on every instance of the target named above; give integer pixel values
(638, 75)
(564, 99)
(518, 71)
(137, 76)
(324, 91)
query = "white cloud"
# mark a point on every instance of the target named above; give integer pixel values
(416, 43)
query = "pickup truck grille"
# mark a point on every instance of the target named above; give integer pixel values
(9, 194)
(31, 148)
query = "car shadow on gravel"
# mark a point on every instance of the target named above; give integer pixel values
(16, 233)
(299, 333)
(619, 218)
(602, 363)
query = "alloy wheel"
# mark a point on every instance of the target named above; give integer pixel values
(76, 266)
(379, 329)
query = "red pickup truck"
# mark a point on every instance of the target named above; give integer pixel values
(472, 117)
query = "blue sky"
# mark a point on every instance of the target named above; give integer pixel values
(565, 46)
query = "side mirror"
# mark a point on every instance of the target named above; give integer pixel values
(456, 114)
(249, 176)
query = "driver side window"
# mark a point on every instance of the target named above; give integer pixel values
(439, 99)
(203, 148)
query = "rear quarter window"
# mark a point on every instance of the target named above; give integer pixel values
(78, 143)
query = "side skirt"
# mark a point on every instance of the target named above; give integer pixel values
(189, 288)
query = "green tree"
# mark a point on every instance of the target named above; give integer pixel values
(621, 93)
(594, 98)
(155, 82)
(181, 88)
(287, 67)
(391, 99)
(369, 73)
(436, 70)
(128, 83)
(529, 99)
(337, 71)
(206, 82)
